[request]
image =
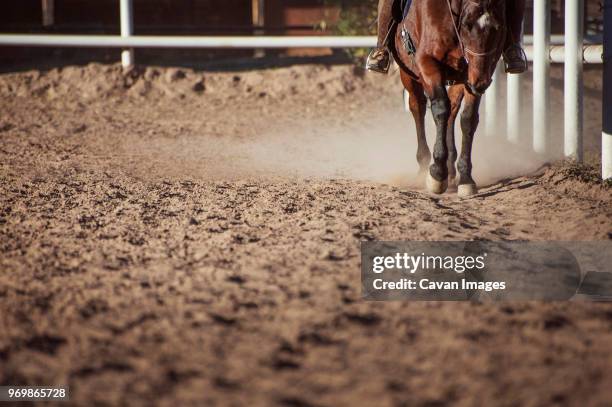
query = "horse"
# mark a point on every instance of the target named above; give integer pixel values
(454, 43)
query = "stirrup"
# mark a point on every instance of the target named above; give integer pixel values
(517, 63)
(378, 61)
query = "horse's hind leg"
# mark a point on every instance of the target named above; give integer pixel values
(455, 94)
(418, 108)
(469, 123)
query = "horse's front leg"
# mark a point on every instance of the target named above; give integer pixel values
(437, 181)
(469, 123)
(455, 94)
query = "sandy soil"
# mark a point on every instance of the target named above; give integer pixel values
(174, 237)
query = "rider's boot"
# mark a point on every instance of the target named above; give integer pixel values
(515, 59)
(379, 60)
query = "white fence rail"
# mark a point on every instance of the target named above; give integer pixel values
(592, 53)
(115, 41)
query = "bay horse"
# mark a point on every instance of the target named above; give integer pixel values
(456, 43)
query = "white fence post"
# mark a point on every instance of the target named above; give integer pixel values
(492, 98)
(606, 134)
(48, 13)
(258, 14)
(574, 38)
(127, 29)
(514, 117)
(541, 75)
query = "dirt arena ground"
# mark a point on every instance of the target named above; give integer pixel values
(178, 238)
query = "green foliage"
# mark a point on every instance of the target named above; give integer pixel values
(357, 17)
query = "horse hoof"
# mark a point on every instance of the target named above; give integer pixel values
(435, 186)
(466, 190)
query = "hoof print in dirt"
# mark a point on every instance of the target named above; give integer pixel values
(223, 319)
(365, 319)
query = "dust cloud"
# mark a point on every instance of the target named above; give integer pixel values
(380, 146)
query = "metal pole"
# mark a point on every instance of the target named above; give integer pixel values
(48, 13)
(127, 29)
(573, 83)
(541, 77)
(514, 119)
(606, 134)
(493, 95)
(258, 13)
